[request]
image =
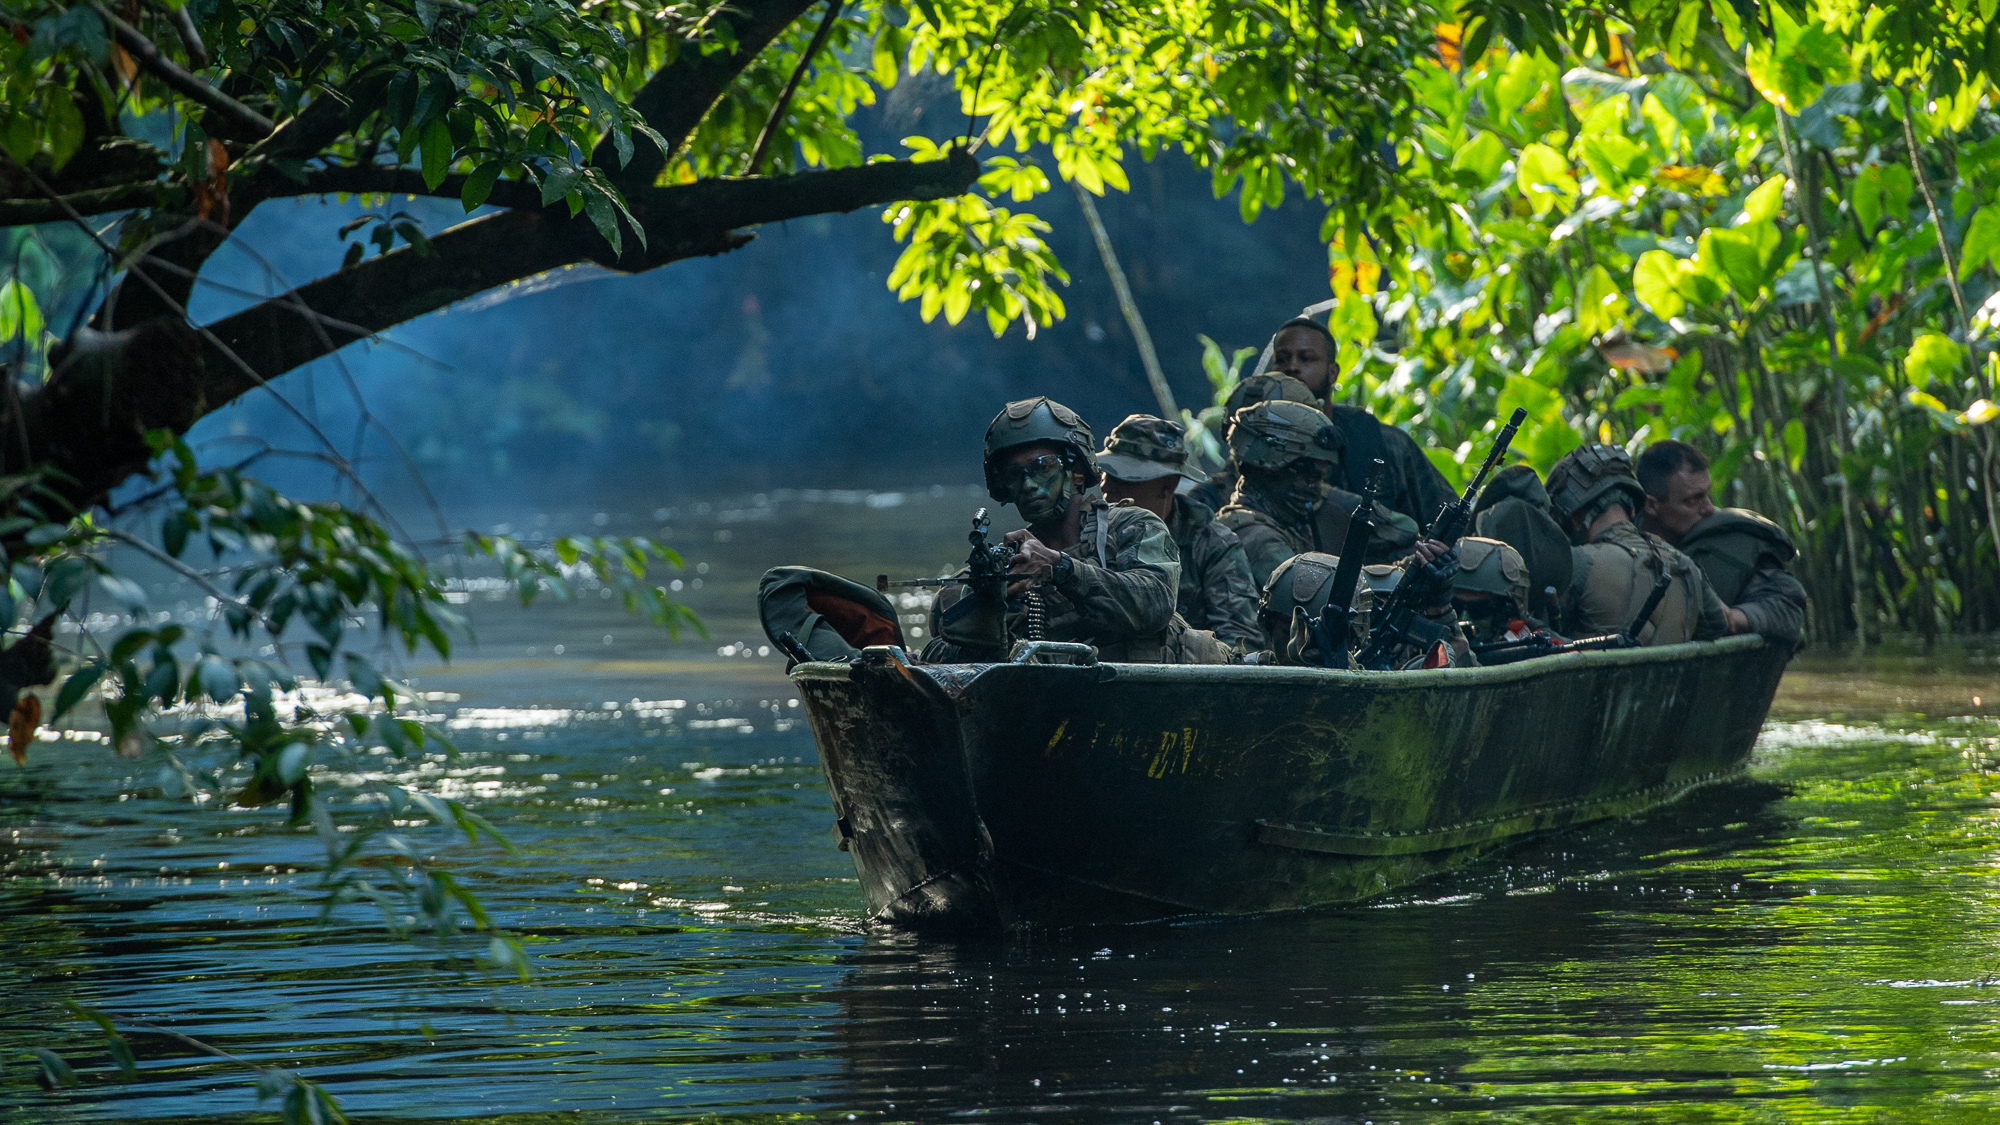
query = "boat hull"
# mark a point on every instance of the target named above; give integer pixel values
(996, 796)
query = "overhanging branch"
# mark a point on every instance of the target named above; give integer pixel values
(684, 221)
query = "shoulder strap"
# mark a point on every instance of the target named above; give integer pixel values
(1103, 534)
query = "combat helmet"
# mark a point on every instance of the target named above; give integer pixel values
(1039, 419)
(1587, 475)
(1488, 566)
(1146, 447)
(1275, 433)
(1264, 388)
(1302, 583)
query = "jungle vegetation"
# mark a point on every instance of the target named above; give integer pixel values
(1766, 229)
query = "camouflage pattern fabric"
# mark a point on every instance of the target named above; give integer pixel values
(1124, 605)
(1612, 577)
(1267, 540)
(1217, 592)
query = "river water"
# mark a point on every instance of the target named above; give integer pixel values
(1817, 941)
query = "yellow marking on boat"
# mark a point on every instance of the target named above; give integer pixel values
(1056, 737)
(1183, 740)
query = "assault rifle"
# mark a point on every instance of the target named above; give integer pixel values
(1427, 584)
(1330, 632)
(1548, 644)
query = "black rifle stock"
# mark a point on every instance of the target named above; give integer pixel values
(1545, 644)
(1427, 584)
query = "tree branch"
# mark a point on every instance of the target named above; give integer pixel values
(683, 221)
(792, 87)
(122, 197)
(675, 99)
(246, 120)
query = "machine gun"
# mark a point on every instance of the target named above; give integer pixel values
(1330, 632)
(978, 619)
(1426, 584)
(1548, 644)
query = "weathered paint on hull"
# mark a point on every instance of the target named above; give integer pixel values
(987, 797)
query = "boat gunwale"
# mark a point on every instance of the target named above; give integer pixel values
(1417, 680)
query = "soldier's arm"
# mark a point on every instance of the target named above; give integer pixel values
(1135, 595)
(1231, 593)
(1713, 617)
(1775, 603)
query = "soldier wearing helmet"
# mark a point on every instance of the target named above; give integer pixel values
(1085, 570)
(1248, 391)
(1144, 459)
(1514, 509)
(1303, 349)
(1594, 495)
(1299, 589)
(1490, 592)
(1282, 451)
(1742, 554)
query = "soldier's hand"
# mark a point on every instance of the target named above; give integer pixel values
(1431, 550)
(1034, 563)
(1739, 621)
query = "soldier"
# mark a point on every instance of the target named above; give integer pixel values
(1742, 553)
(1490, 593)
(1144, 459)
(1085, 570)
(1594, 495)
(1215, 492)
(1282, 450)
(1304, 350)
(1453, 651)
(1299, 589)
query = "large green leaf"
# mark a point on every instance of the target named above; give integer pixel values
(1982, 238)
(1543, 176)
(1653, 283)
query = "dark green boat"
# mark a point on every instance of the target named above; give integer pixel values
(1054, 790)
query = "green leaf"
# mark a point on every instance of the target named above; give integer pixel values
(1982, 238)
(1653, 283)
(65, 126)
(559, 182)
(435, 149)
(1932, 358)
(1795, 443)
(75, 688)
(20, 313)
(1740, 253)
(1483, 157)
(1764, 204)
(1543, 177)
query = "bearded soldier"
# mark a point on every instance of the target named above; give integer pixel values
(1282, 450)
(1084, 570)
(1144, 460)
(1303, 349)
(1742, 554)
(1594, 495)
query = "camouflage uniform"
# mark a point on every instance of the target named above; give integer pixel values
(1216, 592)
(1743, 555)
(1273, 437)
(1119, 594)
(1382, 580)
(1613, 575)
(1305, 583)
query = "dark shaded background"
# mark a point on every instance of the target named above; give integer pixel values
(787, 362)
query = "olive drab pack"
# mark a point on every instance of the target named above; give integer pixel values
(1039, 419)
(1275, 433)
(1586, 475)
(1730, 544)
(830, 616)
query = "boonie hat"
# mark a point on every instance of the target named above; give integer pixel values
(1145, 447)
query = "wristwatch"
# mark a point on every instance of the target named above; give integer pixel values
(1064, 567)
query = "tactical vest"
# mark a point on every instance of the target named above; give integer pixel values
(1731, 544)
